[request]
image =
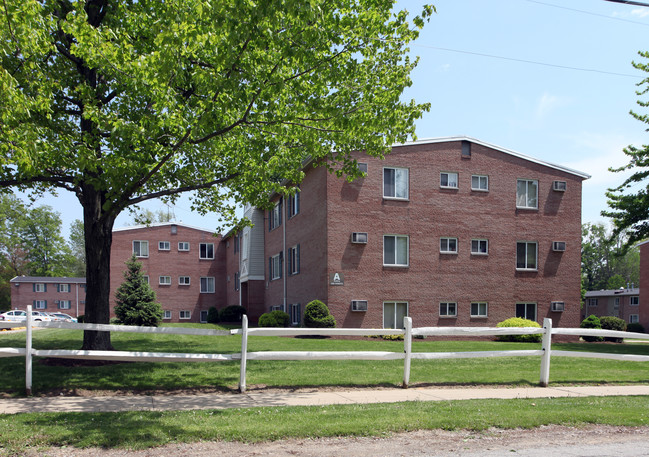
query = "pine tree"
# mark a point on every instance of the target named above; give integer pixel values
(136, 301)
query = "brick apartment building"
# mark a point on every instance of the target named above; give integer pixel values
(450, 231)
(622, 303)
(65, 295)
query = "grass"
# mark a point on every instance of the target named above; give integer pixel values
(225, 375)
(139, 430)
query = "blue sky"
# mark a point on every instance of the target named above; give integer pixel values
(550, 79)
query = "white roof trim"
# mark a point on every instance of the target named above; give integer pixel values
(498, 148)
(641, 243)
(161, 224)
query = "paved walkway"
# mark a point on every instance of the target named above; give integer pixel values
(260, 399)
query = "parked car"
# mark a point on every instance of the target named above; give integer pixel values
(14, 316)
(65, 317)
(53, 317)
(40, 316)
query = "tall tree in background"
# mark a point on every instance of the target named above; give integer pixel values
(77, 249)
(629, 202)
(122, 102)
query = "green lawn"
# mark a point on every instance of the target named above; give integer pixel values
(225, 375)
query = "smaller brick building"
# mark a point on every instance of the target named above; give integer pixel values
(622, 303)
(65, 295)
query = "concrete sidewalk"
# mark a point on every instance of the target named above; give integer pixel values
(315, 398)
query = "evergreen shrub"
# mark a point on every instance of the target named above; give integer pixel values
(591, 321)
(316, 315)
(613, 323)
(232, 313)
(275, 318)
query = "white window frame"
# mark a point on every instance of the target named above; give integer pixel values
(396, 251)
(206, 282)
(146, 279)
(275, 267)
(480, 305)
(445, 243)
(183, 246)
(39, 287)
(64, 288)
(276, 215)
(634, 300)
(141, 244)
(295, 313)
(445, 309)
(480, 179)
(164, 246)
(399, 174)
(448, 175)
(476, 245)
(529, 201)
(166, 314)
(293, 257)
(616, 303)
(40, 304)
(184, 314)
(65, 304)
(395, 316)
(184, 280)
(294, 204)
(634, 318)
(527, 266)
(593, 302)
(527, 306)
(203, 251)
(164, 280)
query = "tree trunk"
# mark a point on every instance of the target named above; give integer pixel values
(98, 233)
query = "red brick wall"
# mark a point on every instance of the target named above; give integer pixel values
(24, 295)
(644, 286)
(173, 263)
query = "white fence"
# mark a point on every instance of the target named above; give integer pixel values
(407, 355)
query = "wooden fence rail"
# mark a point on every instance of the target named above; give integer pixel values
(407, 355)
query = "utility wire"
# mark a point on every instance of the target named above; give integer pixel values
(596, 14)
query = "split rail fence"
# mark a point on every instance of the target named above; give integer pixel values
(547, 331)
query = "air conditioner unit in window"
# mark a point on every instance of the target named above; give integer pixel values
(558, 306)
(559, 186)
(359, 305)
(558, 246)
(359, 237)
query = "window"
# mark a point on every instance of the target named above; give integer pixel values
(527, 191)
(206, 251)
(207, 285)
(40, 304)
(183, 246)
(141, 248)
(237, 281)
(526, 255)
(395, 250)
(362, 167)
(146, 278)
(479, 309)
(183, 280)
(237, 240)
(65, 304)
(447, 309)
(479, 247)
(294, 203)
(592, 302)
(393, 314)
(164, 280)
(526, 311)
(395, 183)
(634, 318)
(275, 216)
(203, 316)
(480, 182)
(634, 301)
(63, 288)
(294, 260)
(616, 303)
(275, 266)
(40, 287)
(164, 245)
(448, 245)
(448, 180)
(185, 315)
(295, 314)
(166, 314)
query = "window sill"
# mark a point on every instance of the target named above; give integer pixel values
(528, 208)
(528, 270)
(448, 317)
(448, 252)
(395, 266)
(449, 187)
(398, 199)
(480, 190)
(480, 254)
(479, 317)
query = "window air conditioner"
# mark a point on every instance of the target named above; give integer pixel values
(359, 237)
(558, 306)
(558, 246)
(359, 305)
(559, 186)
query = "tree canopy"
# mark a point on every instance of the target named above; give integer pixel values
(629, 202)
(123, 102)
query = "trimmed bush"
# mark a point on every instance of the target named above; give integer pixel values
(519, 322)
(316, 315)
(81, 318)
(275, 318)
(635, 328)
(591, 321)
(232, 313)
(613, 323)
(212, 315)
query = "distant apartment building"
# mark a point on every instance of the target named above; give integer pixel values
(65, 295)
(623, 303)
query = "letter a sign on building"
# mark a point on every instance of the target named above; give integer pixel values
(336, 279)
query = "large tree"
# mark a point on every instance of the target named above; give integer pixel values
(124, 101)
(629, 202)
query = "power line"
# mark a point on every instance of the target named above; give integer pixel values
(596, 14)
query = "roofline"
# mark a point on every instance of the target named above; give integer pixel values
(612, 292)
(162, 224)
(53, 279)
(497, 148)
(641, 243)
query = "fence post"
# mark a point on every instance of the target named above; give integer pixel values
(407, 348)
(244, 350)
(28, 351)
(547, 349)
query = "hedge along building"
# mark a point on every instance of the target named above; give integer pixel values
(451, 231)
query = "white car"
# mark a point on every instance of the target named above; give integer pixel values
(14, 316)
(38, 316)
(65, 317)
